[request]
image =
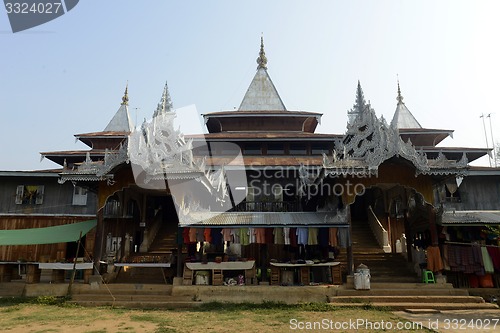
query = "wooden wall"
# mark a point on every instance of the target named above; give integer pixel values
(57, 198)
(42, 252)
(478, 193)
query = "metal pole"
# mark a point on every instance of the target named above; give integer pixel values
(493, 143)
(486, 137)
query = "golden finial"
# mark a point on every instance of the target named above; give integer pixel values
(262, 60)
(399, 98)
(125, 96)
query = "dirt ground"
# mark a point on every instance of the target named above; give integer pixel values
(45, 318)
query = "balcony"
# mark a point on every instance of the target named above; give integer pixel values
(113, 209)
(267, 206)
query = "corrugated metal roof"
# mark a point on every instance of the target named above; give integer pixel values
(403, 118)
(121, 121)
(471, 217)
(262, 94)
(264, 219)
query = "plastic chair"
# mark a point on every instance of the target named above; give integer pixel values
(428, 276)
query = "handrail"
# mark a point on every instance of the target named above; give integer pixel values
(150, 233)
(379, 231)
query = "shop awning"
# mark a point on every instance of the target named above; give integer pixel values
(264, 219)
(49, 235)
(470, 218)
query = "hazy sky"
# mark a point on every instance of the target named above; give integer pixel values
(67, 76)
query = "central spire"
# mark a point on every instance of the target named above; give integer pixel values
(125, 96)
(262, 95)
(403, 118)
(399, 98)
(262, 60)
(121, 120)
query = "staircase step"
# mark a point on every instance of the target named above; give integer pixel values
(140, 305)
(436, 306)
(126, 288)
(129, 298)
(420, 286)
(406, 292)
(429, 299)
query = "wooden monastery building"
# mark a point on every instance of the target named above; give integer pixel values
(260, 198)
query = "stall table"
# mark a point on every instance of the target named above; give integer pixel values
(217, 271)
(59, 269)
(277, 270)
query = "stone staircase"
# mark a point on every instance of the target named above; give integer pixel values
(162, 246)
(384, 267)
(394, 284)
(165, 241)
(402, 296)
(133, 296)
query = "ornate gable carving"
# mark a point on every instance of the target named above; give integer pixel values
(369, 141)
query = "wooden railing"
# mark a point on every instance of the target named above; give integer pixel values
(379, 231)
(151, 232)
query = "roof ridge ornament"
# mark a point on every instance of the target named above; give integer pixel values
(262, 60)
(125, 96)
(358, 107)
(165, 104)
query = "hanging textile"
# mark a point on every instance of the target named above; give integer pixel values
(494, 253)
(312, 237)
(200, 235)
(278, 236)
(192, 235)
(434, 262)
(302, 236)
(286, 236)
(333, 240)
(244, 236)
(207, 233)
(487, 262)
(343, 237)
(251, 235)
(226, 235)
(260, 235)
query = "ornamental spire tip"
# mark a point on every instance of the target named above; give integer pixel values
(399, 98)
(125, 96)
(262, 60)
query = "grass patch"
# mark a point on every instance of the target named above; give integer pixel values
(269, 317)
(278, 306)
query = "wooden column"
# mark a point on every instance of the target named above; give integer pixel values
(350, 255)
(99, 238)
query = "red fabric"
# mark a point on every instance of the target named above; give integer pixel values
(333, 237)
(185, 235)
(207, 234)
(486, 281)
(494, 253)
(434, 261)
(260, 235)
